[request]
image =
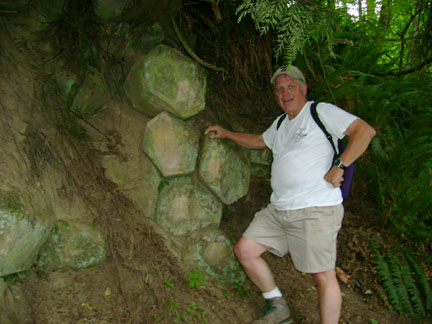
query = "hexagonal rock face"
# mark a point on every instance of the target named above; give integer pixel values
(224, 169)
(137, 179)
(171, 144)
(214, 254)
(70, 246)
(20, 237)
(166, 80)
(185, 206)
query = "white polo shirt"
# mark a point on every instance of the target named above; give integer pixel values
(302, 155)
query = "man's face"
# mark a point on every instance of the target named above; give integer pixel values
(290, 94)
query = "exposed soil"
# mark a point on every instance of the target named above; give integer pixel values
(151, 287)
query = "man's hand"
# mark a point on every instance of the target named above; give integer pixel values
(334, 176)
(251, 141)
(219, 132)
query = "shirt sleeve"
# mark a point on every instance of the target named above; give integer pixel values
(335, 119)
(270, 134)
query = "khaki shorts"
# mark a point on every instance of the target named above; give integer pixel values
(308, 234)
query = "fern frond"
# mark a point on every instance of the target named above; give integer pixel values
(386, 278)
(399, 284)
(378, 149)
(422, 280)
(295, 23)
(412, 289)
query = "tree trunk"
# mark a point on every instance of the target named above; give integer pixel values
(385, 15)
(415, 55)
(360, 9)
(371, 6)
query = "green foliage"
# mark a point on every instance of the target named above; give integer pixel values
(162, 185)
(94, 224)
(295, 23)
(8, 8)
(16, 277)
(418, 270)
(404, 283)
(240, 291)
(412, 176)
(378, 70)
(74, 36)
(196, 279)
(196, 312)
(168, 283)
(63, 222)
(174, 312)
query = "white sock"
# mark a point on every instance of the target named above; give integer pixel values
(272, 294)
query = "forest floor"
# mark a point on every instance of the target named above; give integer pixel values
(114, 292)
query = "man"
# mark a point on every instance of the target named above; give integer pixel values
(305, 211)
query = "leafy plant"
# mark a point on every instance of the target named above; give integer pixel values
(197, 313)
(16, 277)
(168, 283)
(175, 313)
(196, 279)
(240, 291)
(63, 222)
(404, 283)
(162, 185)
(296, 23)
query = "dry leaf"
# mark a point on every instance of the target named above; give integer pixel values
(342, 276)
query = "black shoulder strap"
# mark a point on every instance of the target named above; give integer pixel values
(321, 125)
(281, 119)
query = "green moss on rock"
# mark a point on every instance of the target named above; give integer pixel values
(214, 254)
(20, 238)
(71, 247)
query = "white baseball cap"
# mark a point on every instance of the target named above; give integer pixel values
(292, 71)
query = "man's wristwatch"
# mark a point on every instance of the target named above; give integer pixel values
(339, 164)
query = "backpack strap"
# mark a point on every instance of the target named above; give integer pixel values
(315, 117)
(281, 119)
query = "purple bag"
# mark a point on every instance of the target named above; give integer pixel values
(348, 174)
(349, 171)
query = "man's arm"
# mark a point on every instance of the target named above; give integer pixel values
(360, 135)
(251, 141)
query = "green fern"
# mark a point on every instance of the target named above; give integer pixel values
(386, 278)
(413, 213)
(399, 276)
(412, 289)
(404, 283)
(296, 23)
(425, 289)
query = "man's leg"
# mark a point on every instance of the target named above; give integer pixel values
(249, 255)
(330, 297)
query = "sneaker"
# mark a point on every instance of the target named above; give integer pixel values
(275, 312)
